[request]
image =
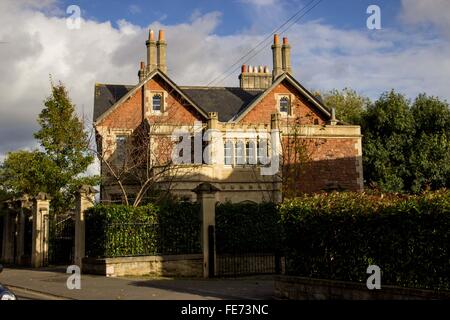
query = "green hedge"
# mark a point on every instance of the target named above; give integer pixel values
(337, 236)
(247, 227)
(119, 230)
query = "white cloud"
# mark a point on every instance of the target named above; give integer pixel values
(134, 9)
(260, 3)
(324, 57)
(420, 12)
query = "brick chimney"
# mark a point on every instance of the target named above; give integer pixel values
(151, 52)
(277, 60)
(142, 73)
(161, 47)
(258, 77)
(286, 56)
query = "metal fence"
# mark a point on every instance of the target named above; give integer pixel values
(142, 239)
(61, 239)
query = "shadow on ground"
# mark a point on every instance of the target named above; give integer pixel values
(249, 288)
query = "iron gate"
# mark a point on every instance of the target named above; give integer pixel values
(1, 235)
(242, 259)
(61, 239)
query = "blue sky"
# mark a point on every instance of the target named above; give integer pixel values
(236, 14)
(331, 48)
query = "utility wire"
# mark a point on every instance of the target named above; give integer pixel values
(262, 41)
(225, 75)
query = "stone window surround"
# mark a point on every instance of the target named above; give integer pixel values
(117, 133)
(149, 94)
(234, 142)
(290, 97)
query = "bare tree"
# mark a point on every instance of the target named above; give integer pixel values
(141, 159)
(298, 147)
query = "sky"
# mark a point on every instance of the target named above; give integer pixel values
(331, 48)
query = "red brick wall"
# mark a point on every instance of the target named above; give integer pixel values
(301, 108)
(327, 163)
(130, 113)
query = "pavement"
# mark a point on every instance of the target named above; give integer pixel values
(50, 284)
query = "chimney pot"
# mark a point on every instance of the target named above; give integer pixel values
(285, 40)
(244, 68)
(142, 65)
(261, 70)
(161, 35)
(151, 35)
(276, 39)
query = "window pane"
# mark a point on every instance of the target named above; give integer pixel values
(228, 153)
(121, 147)
(240, 158)
(284, 104)
(251, 155)
(157, 102)
(263, 152)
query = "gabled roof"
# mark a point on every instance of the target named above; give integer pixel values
(225, 100)
(106, 95)
(285, 76)
(131, 91)
(232, 104)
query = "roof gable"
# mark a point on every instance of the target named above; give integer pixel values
(104, 105)
(302, 90)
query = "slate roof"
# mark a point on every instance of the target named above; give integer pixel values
(226, 101)
(106, 95)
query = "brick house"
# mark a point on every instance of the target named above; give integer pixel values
(317, 151)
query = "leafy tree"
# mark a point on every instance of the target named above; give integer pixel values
(59, 166)
(26, 172)
(430, 150)
(66, 144)
(348, 103)
(406, 147)
(388, 128)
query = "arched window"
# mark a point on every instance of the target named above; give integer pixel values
(284, 105)
(228, 153)
(251, 154)
(240, 153)
(263, 151)
(156, 103)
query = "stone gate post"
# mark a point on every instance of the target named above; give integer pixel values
(207, 199)
(39, 246)
(8, 237)
(22, 204)
(85, 199)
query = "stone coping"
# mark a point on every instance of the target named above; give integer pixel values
(385, 292)
(175, 257)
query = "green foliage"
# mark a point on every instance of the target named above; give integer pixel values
(26, 172)
(337, 236)
(247, 227)
(120, 230)
(58, 168)
(406, 147)
(65, 143)
(348, 103)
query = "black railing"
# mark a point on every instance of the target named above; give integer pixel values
(142, 239)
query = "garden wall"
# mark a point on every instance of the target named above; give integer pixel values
(167, 266)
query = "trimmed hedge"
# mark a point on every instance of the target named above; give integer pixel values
(119, 230)
(247, 227)
(337, 236)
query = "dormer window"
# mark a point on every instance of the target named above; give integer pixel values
(156, 103)
(284, 105)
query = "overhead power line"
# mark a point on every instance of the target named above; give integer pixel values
(235, 66)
